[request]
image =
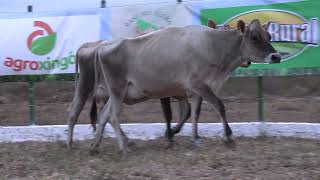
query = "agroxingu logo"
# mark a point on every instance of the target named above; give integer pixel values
(42, 41)
(291, 33)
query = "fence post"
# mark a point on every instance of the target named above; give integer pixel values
(102, 3)
(260, 98)
(29, 8)
(263, 128)
(32, 117)
(31, 102)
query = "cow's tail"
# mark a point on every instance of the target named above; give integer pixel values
(76, 74)
(93, 114)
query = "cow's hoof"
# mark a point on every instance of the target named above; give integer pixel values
(198, 143)
(170, 144)
(123, 155)
(166, 134)
(131, 144)
(195, 137)
(169, 134)
(63, 145)
(228, 131)
(229, 142)
(69, 147)
(93, 152)
(175, 131)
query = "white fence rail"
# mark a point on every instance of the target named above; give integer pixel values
(147, 131)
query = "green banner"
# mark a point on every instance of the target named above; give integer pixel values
(294, 28)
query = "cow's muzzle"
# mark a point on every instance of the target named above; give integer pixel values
(245, 64)
(273, 58)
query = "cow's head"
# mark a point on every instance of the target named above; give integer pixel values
(213, 25)
(256, 46)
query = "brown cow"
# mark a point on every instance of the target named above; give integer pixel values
(86, 86)
(101, 97)
(176, 62)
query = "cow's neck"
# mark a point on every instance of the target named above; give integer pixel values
(231, 56)
(230, 59)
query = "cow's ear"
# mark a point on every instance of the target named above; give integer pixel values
(241, 26)
(255, 24)
(212, 24)
(266, 25)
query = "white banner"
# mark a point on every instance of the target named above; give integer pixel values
(45, 45)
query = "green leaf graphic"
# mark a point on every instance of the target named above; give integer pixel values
(43, 45)
(143, 25)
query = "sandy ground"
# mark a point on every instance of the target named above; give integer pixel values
(287, 99)
(262, 158)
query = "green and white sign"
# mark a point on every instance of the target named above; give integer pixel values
(294, 28)
(44, 45)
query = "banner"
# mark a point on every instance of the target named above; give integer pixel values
(132, 21)
(45, 45)
(293, 26)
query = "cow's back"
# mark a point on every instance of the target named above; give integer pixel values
(163, 60)
(172, 54)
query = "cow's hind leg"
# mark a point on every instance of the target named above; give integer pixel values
(167, 113)
(196, 108)
(93, 114)
(103, 119)
(78, 102)
(83, 89)
(205, 92)
(184, 115)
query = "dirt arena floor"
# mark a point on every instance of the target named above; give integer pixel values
(261, 158)
(287, 99)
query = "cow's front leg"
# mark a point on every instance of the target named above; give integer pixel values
(103, 119)
(205, 92)
(195, 114)
(121, 137)
(117, 99)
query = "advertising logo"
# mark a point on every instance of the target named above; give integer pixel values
(41, 42)
(144, 27)
(291, 33)
(148, 21)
